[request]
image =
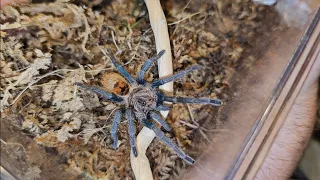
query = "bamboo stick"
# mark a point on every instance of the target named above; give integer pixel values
(140, 165)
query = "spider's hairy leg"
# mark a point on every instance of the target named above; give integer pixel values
(114, 128)
(121, 69)
(132, 131)
(104, 94)
(165, 80)
(162, 108)
(169, 143)
(160, 120)
(146, 66)
(215, 102)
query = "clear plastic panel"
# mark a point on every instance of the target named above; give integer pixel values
(252, 100)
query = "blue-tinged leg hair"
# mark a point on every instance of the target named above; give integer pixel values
(146, 66)
(215, 102)
(169, 143)
(160, 96)
(131, 131)
(121, 69)
(114, 128)
(104, 94)
(179, 75)
(157, 117)
(162, 108)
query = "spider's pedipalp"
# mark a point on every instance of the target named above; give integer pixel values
(146, 66)
(165, 80)
(169, 143)
(159, 120)
(215, 102)
(114, 128)
(104, 94)
(131, 131)
(121, 69)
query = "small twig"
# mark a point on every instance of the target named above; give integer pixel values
(104, 69)
(32, 83)
(137, 48)
(191, 115)
(189, 124)
(129, 36)
(22, 69)
(12, 143)
(111, 113)
(136, 23)
(60, 76)
(204, 135)
(115, 43)
(179, 21)
(104, 53)
(25, 106)
(75, 91)
(185, 7)
(203, 20)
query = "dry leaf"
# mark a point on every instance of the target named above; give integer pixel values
(42, 61)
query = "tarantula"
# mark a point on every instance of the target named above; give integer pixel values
(143, 100)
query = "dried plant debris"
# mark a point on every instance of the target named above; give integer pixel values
(47, 47)
(33, 173)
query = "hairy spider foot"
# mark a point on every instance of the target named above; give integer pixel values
(189, 159)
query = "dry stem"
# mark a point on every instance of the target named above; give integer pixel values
(140, 164)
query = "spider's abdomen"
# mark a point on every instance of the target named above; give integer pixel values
(115, 83)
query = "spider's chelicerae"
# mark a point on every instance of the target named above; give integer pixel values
(143, 101)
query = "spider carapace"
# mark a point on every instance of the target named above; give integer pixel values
(143, 102)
